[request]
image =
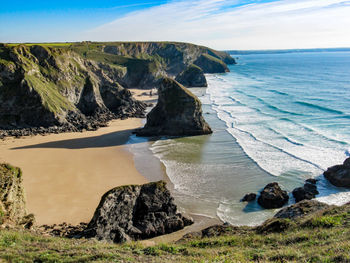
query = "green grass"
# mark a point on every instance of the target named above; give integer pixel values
(327, 239)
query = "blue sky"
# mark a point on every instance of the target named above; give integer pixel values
(221, 24)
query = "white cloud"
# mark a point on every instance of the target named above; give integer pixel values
(279, 24)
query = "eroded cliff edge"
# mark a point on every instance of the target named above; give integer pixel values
(81, 86)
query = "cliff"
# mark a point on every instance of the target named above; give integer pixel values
(12, 198)
(77, 86)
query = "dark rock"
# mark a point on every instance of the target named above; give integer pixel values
(249, 197)
(274, 225)
(177, 113)
(311, 181)
(301, 209)
(272, 196)
(135, 212)
(308, 191)
(193, 76)
(347, 162)
(210, 64)
(339, 175)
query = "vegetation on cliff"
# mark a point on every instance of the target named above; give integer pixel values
(12, 198)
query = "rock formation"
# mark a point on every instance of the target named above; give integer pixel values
(339, 175)
(83, 85)
(177, 113)
(249, 197)
(308, 191)
(210, 64)
(193, 76)
(12, 199)
(135, 212)
(272, 196)
(300, 209)
(56, 88)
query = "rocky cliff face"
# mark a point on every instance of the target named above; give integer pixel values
(193, 76)
(12, 199)
(49, 87)
(135, 212)
(79, 86)
(177, 113)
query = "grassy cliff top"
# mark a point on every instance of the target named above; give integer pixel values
(321, 237)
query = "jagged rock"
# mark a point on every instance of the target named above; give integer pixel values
(339, 175)
(193, 76)
(308, 191)
(177, 113)
(135, 212)
(272, 196)
(300, 209)
(249, 197)
(12, 199)
(210, 64)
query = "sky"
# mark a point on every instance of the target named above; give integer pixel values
(220, 24)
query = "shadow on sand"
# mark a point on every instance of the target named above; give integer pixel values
(106, 140)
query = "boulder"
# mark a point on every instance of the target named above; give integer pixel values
(300, 209)
(308, 191)
(272, 196)
(177, 113)
(193, 76)
(135, 212)
(339, 175)
(249, 197)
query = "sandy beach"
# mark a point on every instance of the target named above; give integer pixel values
(65, 175)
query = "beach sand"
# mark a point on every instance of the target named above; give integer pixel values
(66, 174)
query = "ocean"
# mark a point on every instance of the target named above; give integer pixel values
(276, 118)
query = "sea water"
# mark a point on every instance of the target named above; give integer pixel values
(275, 117)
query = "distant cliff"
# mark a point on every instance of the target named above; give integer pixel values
(77, 86)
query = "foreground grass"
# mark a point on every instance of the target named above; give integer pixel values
(320, 238)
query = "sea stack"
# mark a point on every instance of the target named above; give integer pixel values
(177, 113)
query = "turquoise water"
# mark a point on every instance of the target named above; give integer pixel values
(276, 117)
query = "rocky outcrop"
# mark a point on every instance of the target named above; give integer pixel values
(301, 209)
(308, 191)
(210, 64)
(193, 76)
(12, 199)
(177, 113)
(272, 196)
(339, 175)
(81, 86)
(249, 197)
(135, 212)
(54, 88)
